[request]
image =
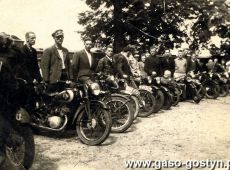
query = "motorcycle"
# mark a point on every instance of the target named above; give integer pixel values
(72, 105)
(19, 146)
(147, 101)
(222, 79)
(122, 117)
(212, 88)
(191, 88)
(150, 83)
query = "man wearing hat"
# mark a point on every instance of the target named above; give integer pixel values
(55, 61)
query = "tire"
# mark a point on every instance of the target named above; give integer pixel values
(224, 90)
(134, 102)
(20, 138)
(131, 101)
(101, 120)
(201, 91)
(121, 116)
(148, 105)
(159, 97)
(168, 100)
(176, 96)
(211, 91)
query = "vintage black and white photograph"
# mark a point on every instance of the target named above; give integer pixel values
(114, 84)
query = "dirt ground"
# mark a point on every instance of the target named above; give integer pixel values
(188, 131)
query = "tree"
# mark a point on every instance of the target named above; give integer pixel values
(146, 22)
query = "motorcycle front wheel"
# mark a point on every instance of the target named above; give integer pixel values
(147, 103)
(212, 91)
(122, 118)
(224, 90)
(95, 129)
(159, 96)
(20, 147)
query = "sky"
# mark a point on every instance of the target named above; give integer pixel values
(43, 17)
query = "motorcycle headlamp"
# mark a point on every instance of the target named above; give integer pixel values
(95, 88)
(158, 80)
(149, 79)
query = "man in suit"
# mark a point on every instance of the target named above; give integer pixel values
(83, 63)
(122, 66)
(30, 58)
(55, 61)
(192, 64)
(152, 63)
(167, 63)
(106, 64)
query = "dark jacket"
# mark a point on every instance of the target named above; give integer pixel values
(51, 64)
(31, 63)
(81, 66)
(122, 65)
(152, 63)
(192, 65)
(106, 66)
(168, 64)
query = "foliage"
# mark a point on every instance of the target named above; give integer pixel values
(146, 22)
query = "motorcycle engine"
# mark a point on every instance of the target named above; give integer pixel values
(55, 122)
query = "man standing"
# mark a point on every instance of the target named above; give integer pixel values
(122, 65)
(55, 61)
(106, 64)
(192, 64)
(152, 63)
(83, 63)
(180, 65)
(167, 63)
(30, 58)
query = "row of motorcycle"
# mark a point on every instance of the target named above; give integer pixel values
(101, 105)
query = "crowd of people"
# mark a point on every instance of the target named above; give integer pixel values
(56, 64)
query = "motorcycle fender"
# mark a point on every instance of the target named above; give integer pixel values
(164, 88)
(82, 106)
(155, 88)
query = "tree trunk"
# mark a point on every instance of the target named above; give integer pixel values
(119, 38)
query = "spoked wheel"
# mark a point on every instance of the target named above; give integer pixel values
(95, 129)
(147, 103)
(212, 91)
(168, 100)
(176, 95)
(20, 148)
(224, 90)
(159, 96)
(122, 118)
(201, 90)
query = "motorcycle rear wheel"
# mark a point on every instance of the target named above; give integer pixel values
(96, 130)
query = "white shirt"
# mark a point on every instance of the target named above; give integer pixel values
(60, 52)
(89, 57)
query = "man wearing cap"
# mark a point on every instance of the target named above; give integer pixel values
(30, 58)
(83, 63)
(55, 61)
